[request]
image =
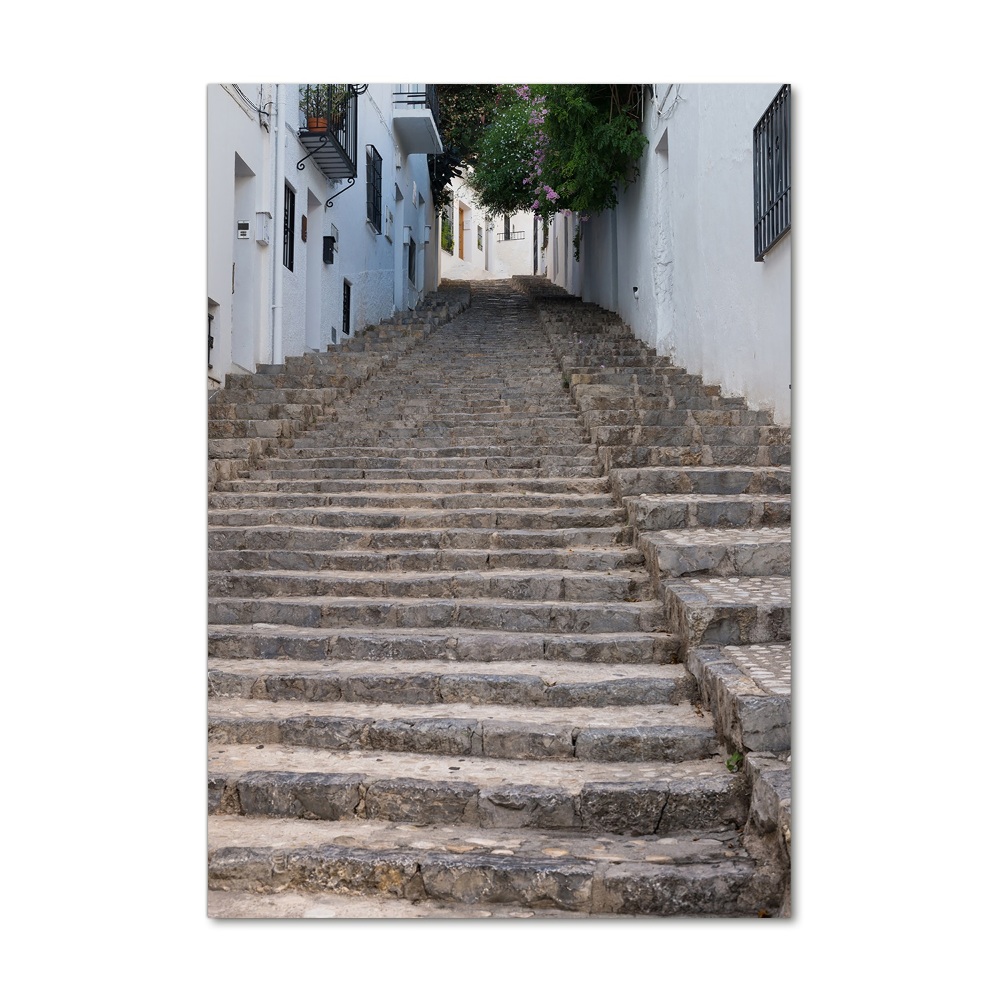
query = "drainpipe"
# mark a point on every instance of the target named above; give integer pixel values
(279, 216)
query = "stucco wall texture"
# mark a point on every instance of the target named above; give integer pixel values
(682, 235)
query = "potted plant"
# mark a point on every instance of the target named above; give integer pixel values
(321, 102)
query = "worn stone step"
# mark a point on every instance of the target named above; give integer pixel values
(720, 481)
(496, 450)
(557, 616)
(707, 874)
(319, 538)
(520, 732)
(425, 560)
(724, 611)
(381, 491)
(498, 470)
(659, 512)
(749, 691)
(688, 435)
(426, 682)
(763, 551)
(232, 410)
(637, 798)
(320, 398)
(514, 518)
(666, 416)
(269, 641)
(513, 584)
(251, 428)
(389, 467)
(615, 456)
(324, 905)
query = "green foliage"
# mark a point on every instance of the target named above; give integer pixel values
(734, 761)
(464, 112)
(558, 147)
(594, 143)
(503, 150)
(447, 233)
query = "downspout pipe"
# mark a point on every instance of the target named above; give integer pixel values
(277, 292)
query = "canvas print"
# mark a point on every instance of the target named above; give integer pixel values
(499, 500)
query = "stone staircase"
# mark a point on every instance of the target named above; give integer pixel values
(449, 616)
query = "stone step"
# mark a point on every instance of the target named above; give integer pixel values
(763, 551)
(616, 456)
(648, 416)
(720, 481)
(749, 691)
(388, 466)
(508, 518)
(665, 511)
(512, 584)
(690, 435)
(375, 497)
(724, 611)
(381, 492)
(258, 397)
(697, 874)
(550, 684)
(347, 786)
(369, 469)
(426, 560)
(498, 450)
(327, 905)
(251, 428)
(270, 641)
(324, 539)
(232, 410)
(611, 733)
(555, 616)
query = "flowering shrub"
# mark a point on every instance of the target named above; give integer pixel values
(559, 147)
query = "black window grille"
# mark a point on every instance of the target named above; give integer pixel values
(506, 227)
(374, 172)
(288, 247)
(347, 308)
(772, 174)
(479, 237)
(411, 263)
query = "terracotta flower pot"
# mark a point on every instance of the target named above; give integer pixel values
(316, 124)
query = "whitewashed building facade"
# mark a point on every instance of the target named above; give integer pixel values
(482, 247)
(677, 258)
(320, 216)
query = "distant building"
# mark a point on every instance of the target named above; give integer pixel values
(475, 246)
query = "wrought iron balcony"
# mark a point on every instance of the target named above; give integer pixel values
(328, 128)
(415, 118)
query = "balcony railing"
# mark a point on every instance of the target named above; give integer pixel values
(328, 128)
(514, 234)
(415, 118)
(422, 98)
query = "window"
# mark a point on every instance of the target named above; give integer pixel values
(479, 237)
(772, 174)
(288, 248)
(411, 264)
(374, 173)
(347, 307)
(506, 227)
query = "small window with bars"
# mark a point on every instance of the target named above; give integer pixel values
(411, 263)
(346, 327)
(374, 174)
(772, 174)
(288, 247)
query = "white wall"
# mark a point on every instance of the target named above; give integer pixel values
(497, 258)
(683, 234)
(239, 183)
